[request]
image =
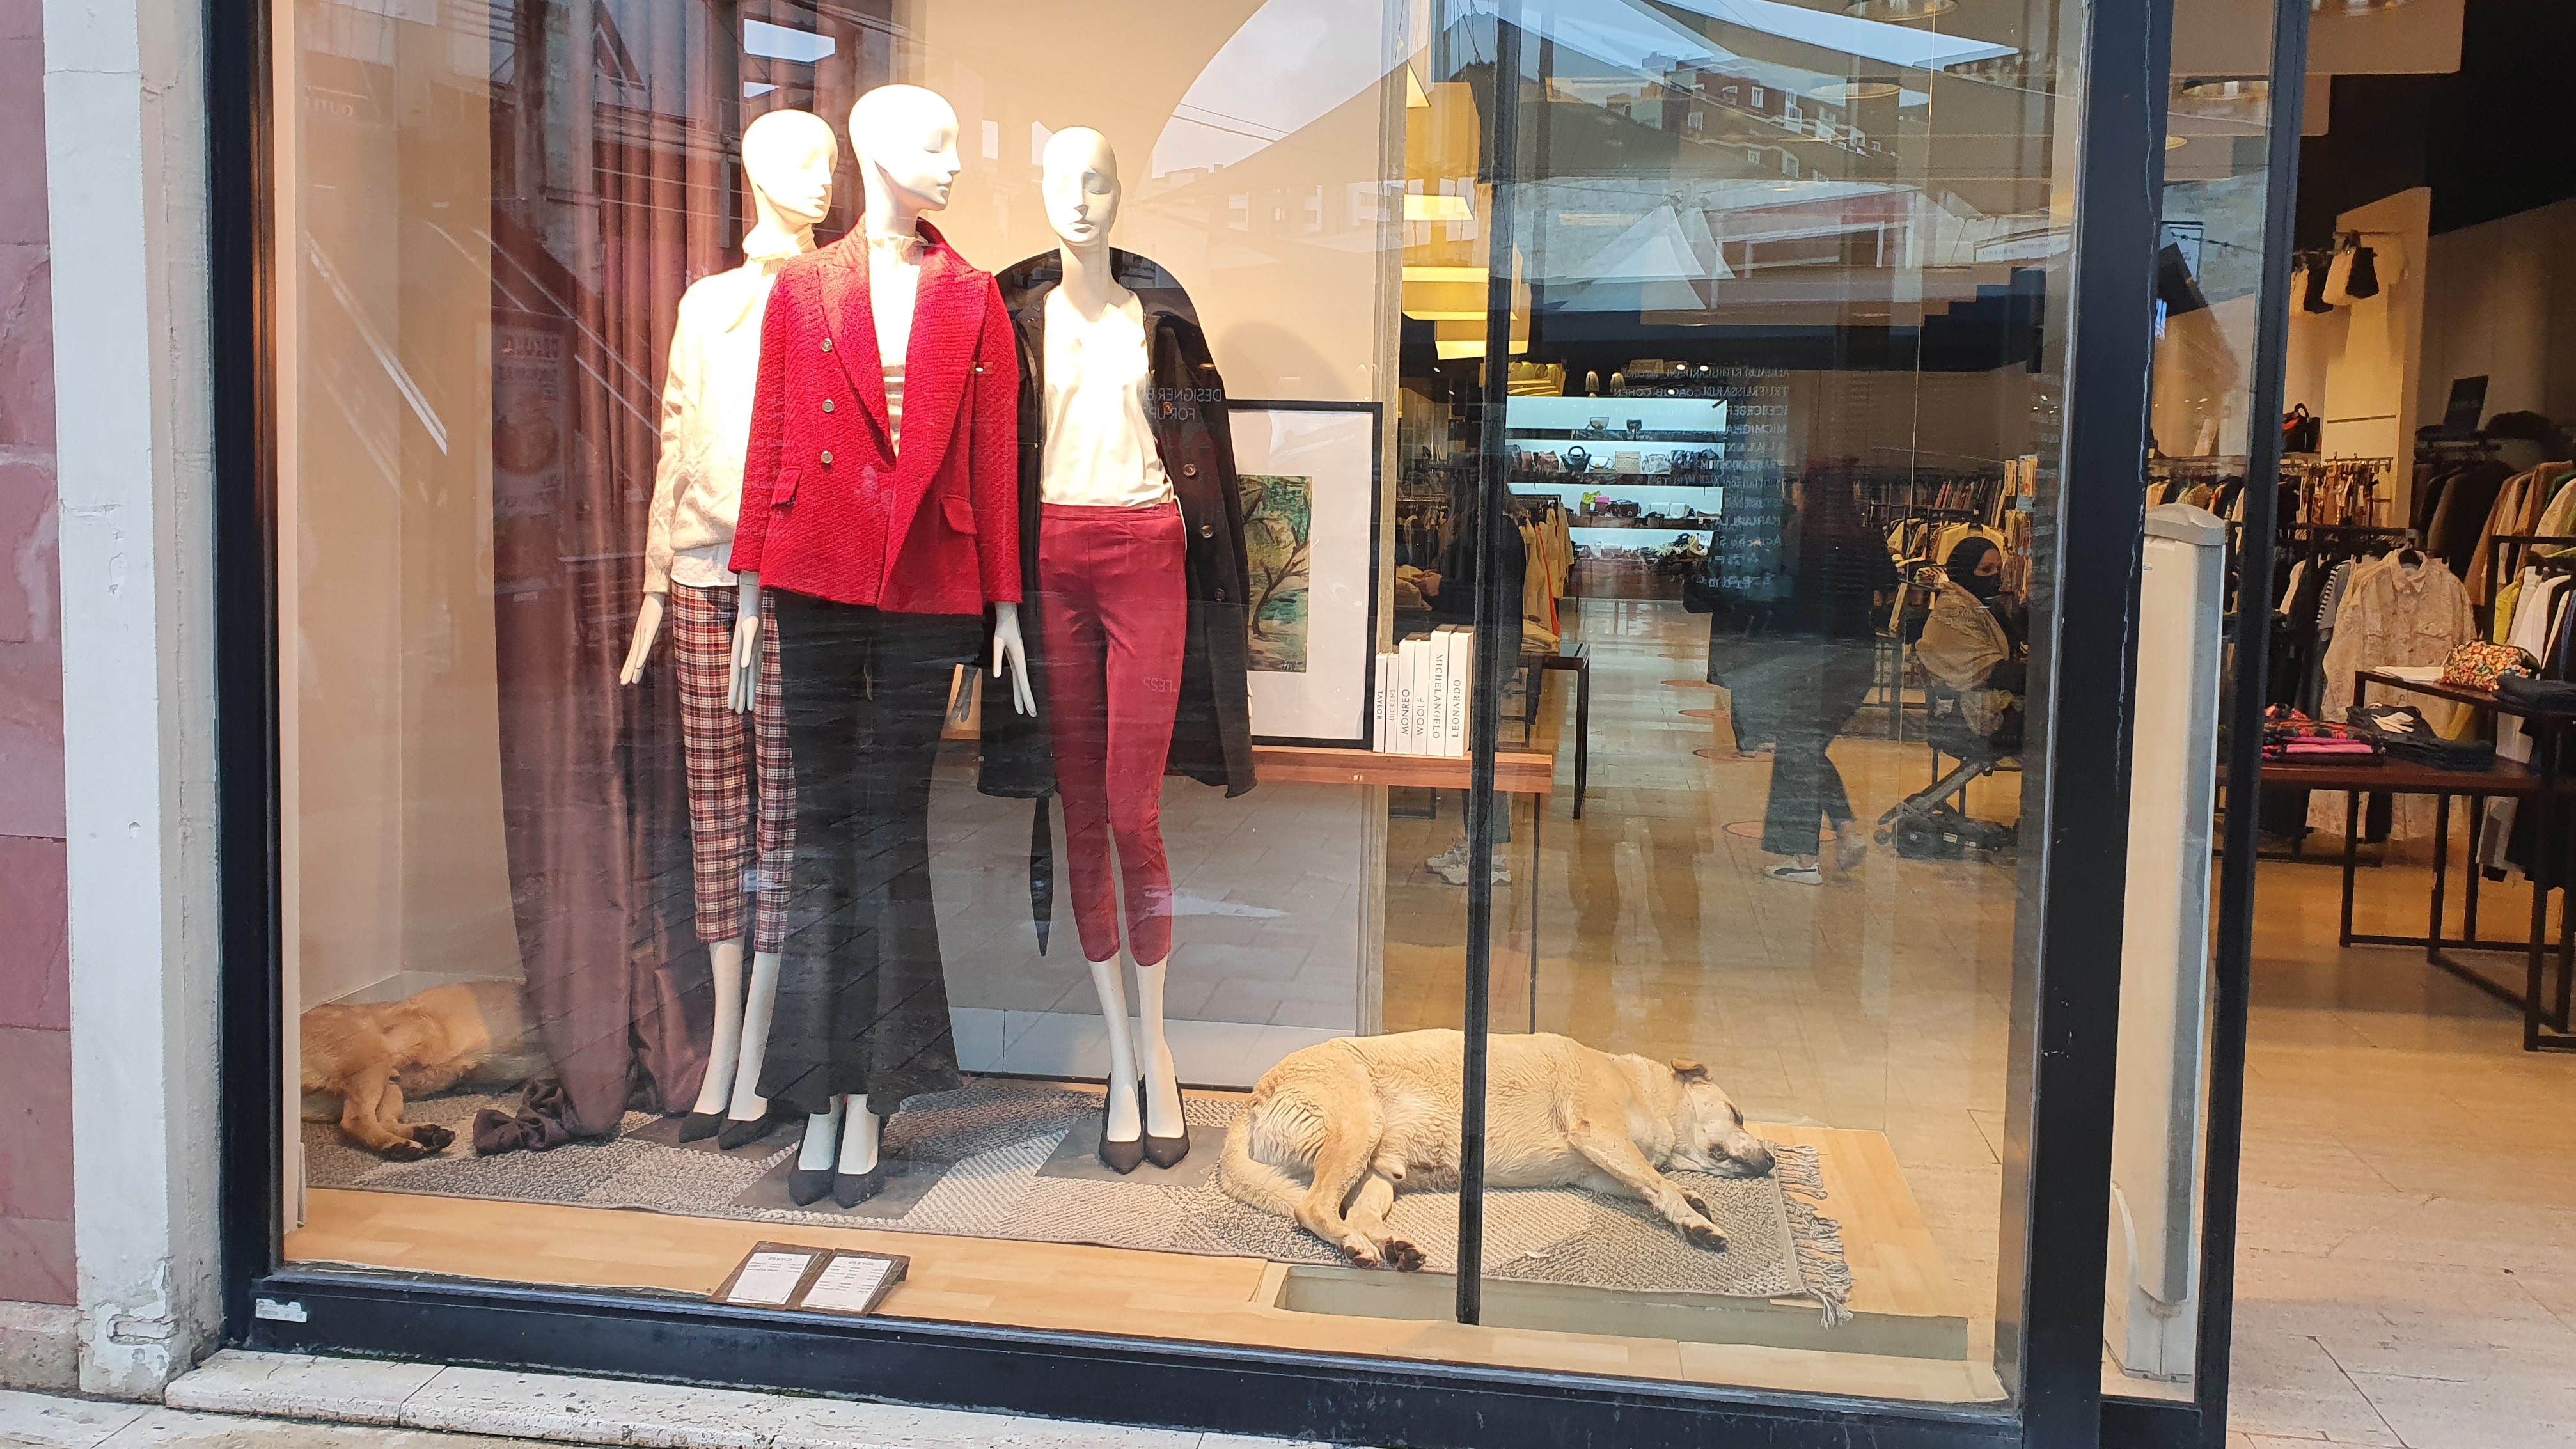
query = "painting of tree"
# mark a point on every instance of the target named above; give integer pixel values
(1278, 536)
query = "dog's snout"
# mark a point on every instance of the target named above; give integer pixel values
(1751, 1153)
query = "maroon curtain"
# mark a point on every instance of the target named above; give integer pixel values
(587, 274)
(641, 101)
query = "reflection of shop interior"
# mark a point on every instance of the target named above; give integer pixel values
(2389, 1101)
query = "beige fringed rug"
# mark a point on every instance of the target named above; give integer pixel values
(1015, 1159)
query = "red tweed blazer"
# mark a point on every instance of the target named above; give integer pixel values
(830, 509)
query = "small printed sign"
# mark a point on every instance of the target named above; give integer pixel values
(800, 1279)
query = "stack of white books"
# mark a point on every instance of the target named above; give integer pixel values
(1422, 694)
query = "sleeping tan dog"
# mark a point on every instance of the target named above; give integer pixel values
(371, 1057)
(1367, 1115)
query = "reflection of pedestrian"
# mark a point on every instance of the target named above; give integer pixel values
(1830, 630)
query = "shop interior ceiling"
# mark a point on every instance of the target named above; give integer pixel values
(2484, 129)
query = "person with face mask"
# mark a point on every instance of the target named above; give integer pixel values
(1969, 643)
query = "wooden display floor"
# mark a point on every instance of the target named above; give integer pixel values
(1902, 1296)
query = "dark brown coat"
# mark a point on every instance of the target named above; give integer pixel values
(1212, 728)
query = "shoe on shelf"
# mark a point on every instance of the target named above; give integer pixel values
(1454, 858)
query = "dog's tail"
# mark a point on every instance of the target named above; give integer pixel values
(1248, 1180)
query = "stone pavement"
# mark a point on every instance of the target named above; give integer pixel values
(240, 1400)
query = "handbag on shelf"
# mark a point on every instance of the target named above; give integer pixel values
(1629, 461)
(2300, 431)
(2479, 665)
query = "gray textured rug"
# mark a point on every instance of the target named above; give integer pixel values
(1014, 1159)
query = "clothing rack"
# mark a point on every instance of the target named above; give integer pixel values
(2561, 559)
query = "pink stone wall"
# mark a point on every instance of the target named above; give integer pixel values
(35, 984)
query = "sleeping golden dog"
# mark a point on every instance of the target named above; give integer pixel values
(1361, 1117)
(372, 1057)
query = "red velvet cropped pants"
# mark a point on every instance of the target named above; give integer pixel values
(1113, 615)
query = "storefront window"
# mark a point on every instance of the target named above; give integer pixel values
(971, 630)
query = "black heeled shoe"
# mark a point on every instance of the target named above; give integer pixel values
(742, 1134)
(850, 1189)
(699, 1126)
(1164, 1152)
(1118, 1157)
(807, 1186)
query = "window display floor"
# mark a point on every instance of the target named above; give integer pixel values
(1901, 1296)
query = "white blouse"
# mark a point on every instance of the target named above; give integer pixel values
(1099, 450)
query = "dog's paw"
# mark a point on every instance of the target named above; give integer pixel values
(432, 1136)
(1697, 1203)
(1403, 1257)
(1361, 1252)
(400, 1150)
(1704, 1236)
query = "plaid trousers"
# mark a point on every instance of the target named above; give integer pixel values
(730, 801)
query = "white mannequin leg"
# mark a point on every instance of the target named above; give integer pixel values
(859, 1131)
(1124, 1122)
(1162, 1086)
(724, 1048)
(748, 1104)
(822, 1143)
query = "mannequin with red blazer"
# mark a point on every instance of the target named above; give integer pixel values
(880, 510)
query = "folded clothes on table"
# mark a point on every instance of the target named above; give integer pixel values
(2402, 730)
(2555, 695)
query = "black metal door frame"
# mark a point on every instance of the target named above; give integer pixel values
(2057, 1175)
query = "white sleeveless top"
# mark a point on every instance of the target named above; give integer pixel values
(894, 280)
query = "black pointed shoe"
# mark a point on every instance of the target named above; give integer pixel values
(850, 1189)
(699, 1126)
(808, 1186)
(1118, 1157)
(736, 1133)
(1167, 1151)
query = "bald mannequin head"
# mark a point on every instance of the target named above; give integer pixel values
(906, 140)
(789, 156)
(1078, 179)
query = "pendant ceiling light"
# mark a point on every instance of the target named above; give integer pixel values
(1897, 12)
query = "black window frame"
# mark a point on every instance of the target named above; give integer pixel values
(2057, 1169)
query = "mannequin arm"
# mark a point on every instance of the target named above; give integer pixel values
(1007, 647)
(648, 626)
(744, 688)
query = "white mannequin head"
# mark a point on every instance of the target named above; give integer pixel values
(1079, 181)
(906, 139)
(789, 156)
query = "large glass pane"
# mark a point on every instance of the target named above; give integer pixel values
(1011, 797)
(1780, 462)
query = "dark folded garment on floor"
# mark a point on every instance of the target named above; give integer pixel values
(2555, 695)
(537, 1126)
(2403, 731)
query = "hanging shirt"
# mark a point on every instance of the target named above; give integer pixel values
(1099, 450)
(2393, 613)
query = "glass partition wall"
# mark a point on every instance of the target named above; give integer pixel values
(1364, 680)
(1770, 467)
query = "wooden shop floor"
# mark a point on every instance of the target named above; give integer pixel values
(1897, 1272)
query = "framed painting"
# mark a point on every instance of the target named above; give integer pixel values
(1309, 475)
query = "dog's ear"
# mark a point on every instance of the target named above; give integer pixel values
(1688, 1070)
